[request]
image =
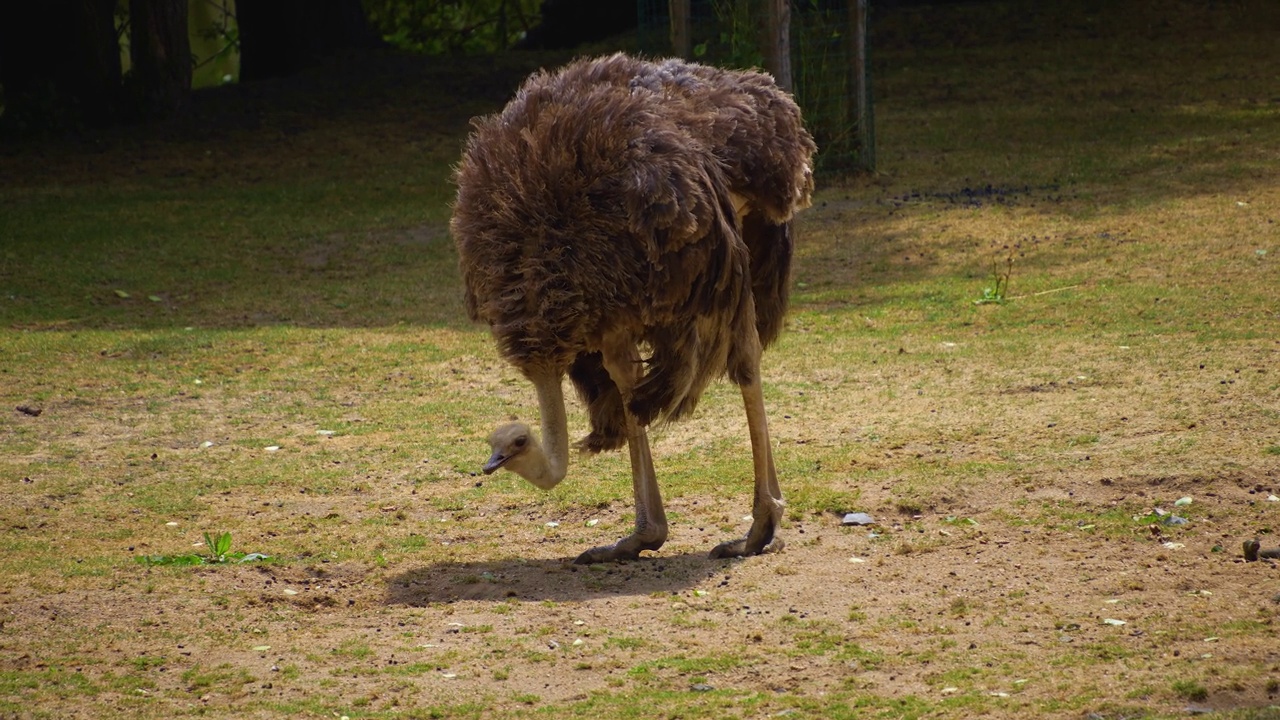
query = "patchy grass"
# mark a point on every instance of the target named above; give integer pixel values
(170, 309)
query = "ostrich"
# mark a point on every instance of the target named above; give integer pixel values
(627, 223)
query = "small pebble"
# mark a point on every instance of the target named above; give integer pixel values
(858, 518)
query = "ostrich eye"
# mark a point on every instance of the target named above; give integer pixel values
(521, 441)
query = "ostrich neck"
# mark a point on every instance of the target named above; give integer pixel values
(555, 430)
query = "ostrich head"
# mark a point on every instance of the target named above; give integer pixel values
(516, 448)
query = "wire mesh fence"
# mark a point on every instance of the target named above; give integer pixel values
(824, 59)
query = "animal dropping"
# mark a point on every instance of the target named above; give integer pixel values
(628, 224)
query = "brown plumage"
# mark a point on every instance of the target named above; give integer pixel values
(619, 207)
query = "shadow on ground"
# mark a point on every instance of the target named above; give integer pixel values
(558, 579)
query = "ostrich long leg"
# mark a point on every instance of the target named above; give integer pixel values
(651, 520)
(767, 509)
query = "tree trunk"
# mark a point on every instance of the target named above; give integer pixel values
(863, 115)
(281, 37)
(160, 49)
(59, 63)
(681, 35)
(777, 55)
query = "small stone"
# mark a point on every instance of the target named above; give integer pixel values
(857, 518)
(701, 687)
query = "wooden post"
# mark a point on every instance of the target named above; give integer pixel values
(777, 51)
(681, 37)
(863, 115)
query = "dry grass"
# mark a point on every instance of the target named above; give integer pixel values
(1127, 160)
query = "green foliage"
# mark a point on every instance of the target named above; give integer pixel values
(1191, 690)
(435, 28)
(998, 291)
(738, 43)
(219, 547)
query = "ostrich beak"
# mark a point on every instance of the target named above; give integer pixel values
(496, 460)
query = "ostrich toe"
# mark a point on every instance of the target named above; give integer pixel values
(759, 540)
(628, 548)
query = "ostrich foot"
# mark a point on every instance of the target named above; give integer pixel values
(759, 540)
(742, 547)
(628, 548)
